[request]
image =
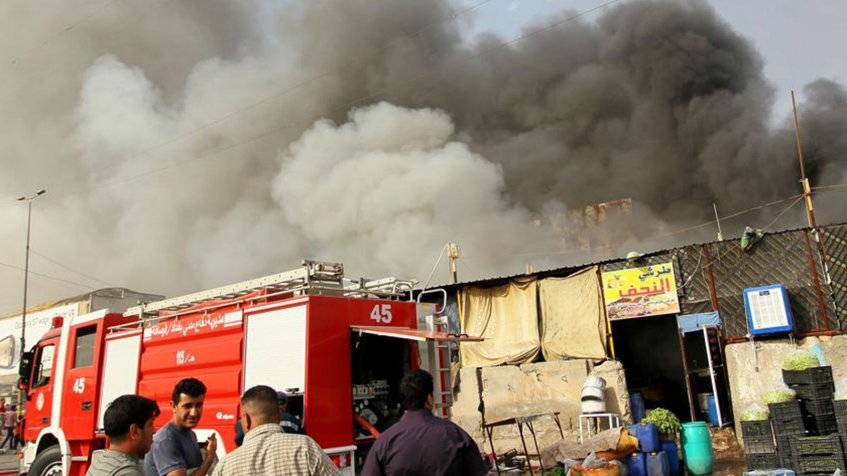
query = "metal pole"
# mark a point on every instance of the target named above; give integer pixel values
(26, 280)
(26, 269)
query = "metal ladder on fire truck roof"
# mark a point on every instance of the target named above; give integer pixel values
(312, 278)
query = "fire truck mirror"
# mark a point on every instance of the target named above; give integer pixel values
(25, 369)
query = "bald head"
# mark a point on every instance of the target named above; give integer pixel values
(259, 406)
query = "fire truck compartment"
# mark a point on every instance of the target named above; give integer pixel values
(378, 363)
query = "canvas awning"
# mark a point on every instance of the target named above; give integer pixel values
(695, 322)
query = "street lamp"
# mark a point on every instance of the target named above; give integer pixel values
(26, 265)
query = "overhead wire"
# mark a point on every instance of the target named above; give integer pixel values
(47, 276)
(68, 268)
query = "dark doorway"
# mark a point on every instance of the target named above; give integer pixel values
(648, 348)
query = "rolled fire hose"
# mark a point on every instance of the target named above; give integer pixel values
(367, 425)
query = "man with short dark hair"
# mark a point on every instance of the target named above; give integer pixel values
(288, 422)
(175, 450)
(267, 449)
(421, 443)
(128, 422)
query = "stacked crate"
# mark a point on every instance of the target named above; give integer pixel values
(814, 388)
(759, 445)
(787, 421)
(817, 455)
(840, 407)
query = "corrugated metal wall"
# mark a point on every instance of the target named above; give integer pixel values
(834, 239)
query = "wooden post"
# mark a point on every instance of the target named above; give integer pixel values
(453, 253)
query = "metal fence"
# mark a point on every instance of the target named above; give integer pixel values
(713, 276)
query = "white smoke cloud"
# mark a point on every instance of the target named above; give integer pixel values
(388, 188)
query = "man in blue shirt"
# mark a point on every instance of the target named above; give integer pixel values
(421, 443)
(175, 450)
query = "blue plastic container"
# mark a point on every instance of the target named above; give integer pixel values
(636, 406)
(669, 447)
(648, 437)
(713, 411)
(636, 464)
(697, 448)
(770, 472)
(657, 464)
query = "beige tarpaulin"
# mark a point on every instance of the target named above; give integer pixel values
(572, 322)
(507, 317)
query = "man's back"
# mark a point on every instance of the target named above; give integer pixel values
(267, 450)
(422, 444)
(113, 463)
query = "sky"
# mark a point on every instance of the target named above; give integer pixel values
(799, 41)
(65, 127)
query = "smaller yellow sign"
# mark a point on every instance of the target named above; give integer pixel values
(640, 292)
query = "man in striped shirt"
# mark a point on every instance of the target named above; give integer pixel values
(128, 423)
(267, 449)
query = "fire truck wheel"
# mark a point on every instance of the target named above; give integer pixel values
(47, 463)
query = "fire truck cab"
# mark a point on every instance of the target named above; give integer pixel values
(337, 347)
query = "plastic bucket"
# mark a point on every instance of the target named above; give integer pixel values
(636, 403)
(593, 392)
(713, 411)
(592, 381)
(697, 448)
(593, 406)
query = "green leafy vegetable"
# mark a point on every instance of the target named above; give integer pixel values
(779, 395)
(666, 422)
(800, 360)
(755, 413)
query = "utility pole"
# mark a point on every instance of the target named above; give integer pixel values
(810, 212)
(453, 254)
(807, 189)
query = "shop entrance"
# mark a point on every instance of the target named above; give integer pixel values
(649, 349)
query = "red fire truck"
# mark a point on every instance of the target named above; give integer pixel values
(337, 347)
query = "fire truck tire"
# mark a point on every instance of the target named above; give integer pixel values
(47, 463)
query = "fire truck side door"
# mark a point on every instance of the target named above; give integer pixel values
(79, 396)
(40, 396)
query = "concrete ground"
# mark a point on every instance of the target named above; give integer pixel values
(9, 463)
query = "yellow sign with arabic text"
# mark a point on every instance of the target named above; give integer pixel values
(640, 292)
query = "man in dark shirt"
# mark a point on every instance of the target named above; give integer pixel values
(175, 451)
(288, 422)
(421, 443)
